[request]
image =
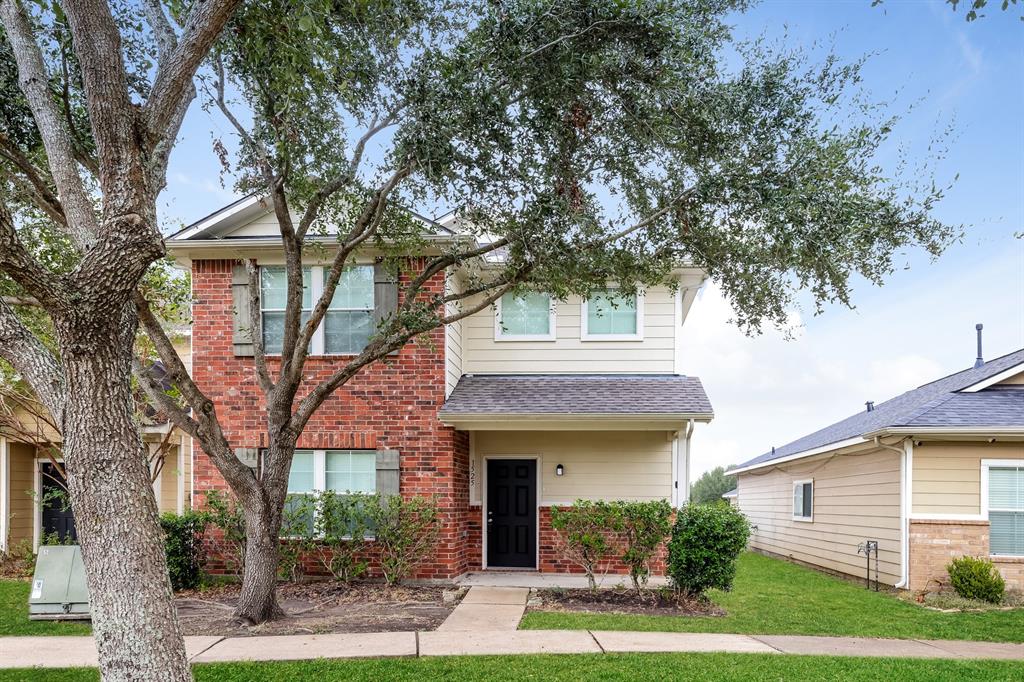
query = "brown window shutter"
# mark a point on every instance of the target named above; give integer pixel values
(385, 295)
(387, 473)
(241, 325)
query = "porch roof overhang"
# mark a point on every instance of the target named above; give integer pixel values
(548, 402)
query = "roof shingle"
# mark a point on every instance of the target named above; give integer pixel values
(503, 394)
(934, 404)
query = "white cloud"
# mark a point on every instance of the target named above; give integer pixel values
(769, 391)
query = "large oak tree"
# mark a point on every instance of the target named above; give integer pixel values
(579, 142)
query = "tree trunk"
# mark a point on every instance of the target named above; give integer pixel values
(258, 601)
(134, 619)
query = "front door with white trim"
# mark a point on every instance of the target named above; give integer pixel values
(512, 513)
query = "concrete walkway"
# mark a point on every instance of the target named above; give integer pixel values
(487, 609)
(60, 652)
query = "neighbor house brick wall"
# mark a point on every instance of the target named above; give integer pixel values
(391, 404)
(933, 544)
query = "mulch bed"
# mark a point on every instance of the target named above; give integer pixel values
(648, 603)
(319, 607)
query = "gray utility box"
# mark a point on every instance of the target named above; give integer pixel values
(59, 591)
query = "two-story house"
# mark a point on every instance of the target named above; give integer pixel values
(536, 402)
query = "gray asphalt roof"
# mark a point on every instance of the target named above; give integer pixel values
(933, 404)
(504, 394)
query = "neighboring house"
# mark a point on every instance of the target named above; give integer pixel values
(932, 474)
(31, 471)
(501, 415)
(731, 496)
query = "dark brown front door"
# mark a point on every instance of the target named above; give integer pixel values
(512, 513)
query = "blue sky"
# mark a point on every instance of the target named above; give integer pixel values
(920, 325)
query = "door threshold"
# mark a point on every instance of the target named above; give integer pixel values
(508, 569)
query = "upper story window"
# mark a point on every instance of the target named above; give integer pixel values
(803, 500)
(1006, 509)
(529, 316)
(348, 323)
(610, 315)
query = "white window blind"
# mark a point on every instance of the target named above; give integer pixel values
(1006, 510)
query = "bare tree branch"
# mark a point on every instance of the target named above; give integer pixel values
(111, 113)
(23, 268)
(34, 82)
(40, 192)
(174, 77)
(33, 360)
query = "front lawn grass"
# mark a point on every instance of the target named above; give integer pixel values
(776, 597)
(14, 615)
(692, 667)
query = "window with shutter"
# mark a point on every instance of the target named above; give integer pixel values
(348, 323)
(1006, 510)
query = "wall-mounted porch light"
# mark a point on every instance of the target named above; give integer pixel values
(559, 470)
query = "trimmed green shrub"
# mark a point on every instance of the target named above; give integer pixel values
(225, 514)
(584, 533)
(341, 527)
(641, 527)
(976, 578)
(706, 541)
(183, 540)
(405, 532)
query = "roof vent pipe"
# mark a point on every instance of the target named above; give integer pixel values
(870, 405)
(980, 360)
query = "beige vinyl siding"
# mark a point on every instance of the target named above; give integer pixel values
(453, 339)
(21, 463)
(605, 465)
(168, 500)
(947, 476)
(568, 353)
(856, 498)
(1015, 380)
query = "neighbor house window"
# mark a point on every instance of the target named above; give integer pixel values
(610, 315)
(348, 322)
(803, 500)
(1006, 509)
(528, 316)
(341, 471)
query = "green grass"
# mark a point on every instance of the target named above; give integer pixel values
(776, 597)
(14, 615)
(692, 667)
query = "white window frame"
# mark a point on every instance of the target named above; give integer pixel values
(987, 464)
(501, 335)
(320, 482)
(316, 290)
(792, 499)
(585, 334)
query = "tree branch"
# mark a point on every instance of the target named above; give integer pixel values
(34, 82)
(203, 25)
(22, 267)
(34, 361)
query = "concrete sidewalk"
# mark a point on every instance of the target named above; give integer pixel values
(61, 652)
(486, 609)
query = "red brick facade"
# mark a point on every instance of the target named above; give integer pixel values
(390, 404)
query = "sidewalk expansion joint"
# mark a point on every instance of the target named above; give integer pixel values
(200, 653)
(598, 643)
(767, 644)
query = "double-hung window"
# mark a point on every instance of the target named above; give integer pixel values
(529, 316)
(348, 323)
(1006, 508)
(344, 472)
(610, 315)
(803, 500)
